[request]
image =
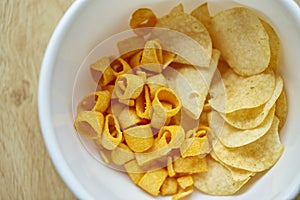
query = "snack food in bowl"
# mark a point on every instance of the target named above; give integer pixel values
(177, 125)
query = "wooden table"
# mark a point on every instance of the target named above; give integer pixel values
(26, 172)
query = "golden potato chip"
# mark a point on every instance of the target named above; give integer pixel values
(89, 123)
(232, 137)
(274, 45)
(237, 174)
(134, 171)
(202, 14)
(152, 181)
(139, 138)
(141, 18)
(129, 86)
(112, 135)
(185, 181)
(130, 46)
(251, 118)
(217, 180)
(193, 164)
(143, 104)
(119, 66)
(169, 186)
(241, 92)
(192, 84)
(242, 40)
(281, 110)
(98, 101)
(101, 71)
(255, 157)
(122, 154)
(193, 45)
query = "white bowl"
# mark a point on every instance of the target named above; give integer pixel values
(85, 25)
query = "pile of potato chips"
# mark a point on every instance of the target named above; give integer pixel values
(193, 101)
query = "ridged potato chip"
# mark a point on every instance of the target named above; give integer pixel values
(255, 157)
(242, 40)
(217, 180)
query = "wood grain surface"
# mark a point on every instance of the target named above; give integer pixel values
(26, 171)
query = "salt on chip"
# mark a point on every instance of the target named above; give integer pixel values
(152, 181)
(274, 45)
(281, 109)
(89, 123)
(193, 45)
(252, 117)
(232, 137)
(217, 180)
(241, 92)
(139, 138)
(242, 40)
(255, 157)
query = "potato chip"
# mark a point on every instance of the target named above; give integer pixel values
(217, 180)
(281, 110)
(112, 135)
(101, 71)
(128, 86)
(274, 45)
(242, 40)
(153, 180)
(251, 118)
(98, 101)
(255, 157)
(193, 45)
(185, 181)
(237, 174)
(134, 171)
(232, 137)
(202, 14)
(130, 46)
(241, 92)
(193, 164)
(141, 18)
(169, 186)
(139, 138)
(122, 154)
(89, 123)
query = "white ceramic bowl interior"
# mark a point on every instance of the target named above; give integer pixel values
(85, 25)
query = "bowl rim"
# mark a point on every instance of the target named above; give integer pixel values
(44, 110)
